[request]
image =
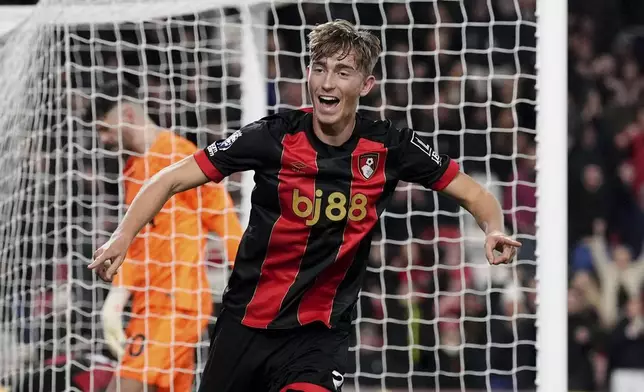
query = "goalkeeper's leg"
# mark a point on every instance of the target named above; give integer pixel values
(160, 352)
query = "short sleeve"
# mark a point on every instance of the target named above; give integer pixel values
(419, 163)
(244, 150)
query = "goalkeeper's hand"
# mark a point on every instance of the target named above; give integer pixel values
(112, 318)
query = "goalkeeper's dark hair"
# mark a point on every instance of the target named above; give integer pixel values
(342, 37)
(107, 97)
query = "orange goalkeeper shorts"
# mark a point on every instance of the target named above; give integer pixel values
(161, 350)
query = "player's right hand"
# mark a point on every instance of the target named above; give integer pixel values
(109, 257)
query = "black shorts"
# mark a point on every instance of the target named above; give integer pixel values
(246, 359)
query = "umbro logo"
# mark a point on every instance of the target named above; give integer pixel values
(298, 166)
(338, 379)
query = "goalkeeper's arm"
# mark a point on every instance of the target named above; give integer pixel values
(175, 178)
(112, 320)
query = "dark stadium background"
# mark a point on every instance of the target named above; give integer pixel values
(606, 181)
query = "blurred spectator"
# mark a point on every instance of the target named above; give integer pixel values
(583, 333)
(619, 274)
(588, 201)
(626, 346)
(606, 212)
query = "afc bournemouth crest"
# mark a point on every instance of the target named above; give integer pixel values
(368, 164)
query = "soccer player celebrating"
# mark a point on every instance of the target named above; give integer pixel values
(163, 269)
(323, 176)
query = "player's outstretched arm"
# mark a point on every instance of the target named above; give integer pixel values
(175, 178)
(486, 209)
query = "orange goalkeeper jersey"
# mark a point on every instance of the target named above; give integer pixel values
(165, 264)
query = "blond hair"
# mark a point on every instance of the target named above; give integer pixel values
(343, 37)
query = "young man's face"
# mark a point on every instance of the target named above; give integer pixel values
(335, 86)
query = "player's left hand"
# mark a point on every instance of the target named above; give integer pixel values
(500, 242)
(109, 257)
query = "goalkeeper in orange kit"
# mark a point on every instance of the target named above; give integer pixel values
(164, 271)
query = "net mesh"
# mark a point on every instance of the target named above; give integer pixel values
(432, 313)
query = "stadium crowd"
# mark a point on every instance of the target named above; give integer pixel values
(471, 86)
(606, 202)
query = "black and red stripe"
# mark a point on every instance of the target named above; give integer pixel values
(325, 236)
(318, 302)
(289, 236)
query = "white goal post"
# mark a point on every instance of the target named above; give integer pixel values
(204, 68)
(552, 185)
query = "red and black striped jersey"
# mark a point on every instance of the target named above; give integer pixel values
(304, 253)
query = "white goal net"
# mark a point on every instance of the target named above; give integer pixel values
(432, 314)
